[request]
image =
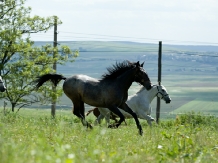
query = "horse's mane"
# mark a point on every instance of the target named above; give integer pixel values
(117, 69)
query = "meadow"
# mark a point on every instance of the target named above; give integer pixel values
(33, 136)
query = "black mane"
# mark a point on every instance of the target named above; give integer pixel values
(116, 70)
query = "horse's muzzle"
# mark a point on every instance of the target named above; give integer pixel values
(168, 101)
(3, 89)
(148, 85)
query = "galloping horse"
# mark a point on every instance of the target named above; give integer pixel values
(2, 85)
(111, 91)
(139, 102)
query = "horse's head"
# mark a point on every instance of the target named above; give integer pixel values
(162, 93)
(2, 85)
(141, 76)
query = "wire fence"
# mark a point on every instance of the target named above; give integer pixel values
(68, 35)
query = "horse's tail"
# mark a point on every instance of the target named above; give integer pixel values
(54, 78)
(95, 111)
(89, 112)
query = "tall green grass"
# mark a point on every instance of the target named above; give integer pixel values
(38, 138)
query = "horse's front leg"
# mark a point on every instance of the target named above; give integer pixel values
(148, 118)
(116, 111)
(126, 108)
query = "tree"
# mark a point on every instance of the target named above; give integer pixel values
(6, 6)
(20, 61)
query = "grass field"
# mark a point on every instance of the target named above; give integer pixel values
(33, 136)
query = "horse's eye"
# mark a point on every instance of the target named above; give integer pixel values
(163, 90)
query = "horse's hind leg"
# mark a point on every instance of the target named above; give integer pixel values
(79, 111)
(126, 108)
(82, 112)
(99, 119)
(148, 118)
(116, 111)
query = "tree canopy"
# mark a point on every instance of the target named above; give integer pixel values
(20, 61)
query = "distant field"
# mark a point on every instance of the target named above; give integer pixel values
(199, 105)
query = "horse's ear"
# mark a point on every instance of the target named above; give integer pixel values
(137, 64)
(142, 64)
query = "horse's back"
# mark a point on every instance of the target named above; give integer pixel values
(78, 82)
(84, 88)
(84, 78)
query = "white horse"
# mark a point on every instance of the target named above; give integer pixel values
(2, 85)
(140, 103)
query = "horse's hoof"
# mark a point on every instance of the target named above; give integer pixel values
(89, 126)
(140, 132)
(113, 125)
(117, 125)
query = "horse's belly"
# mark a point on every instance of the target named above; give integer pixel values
(96, 103)
(93, 96)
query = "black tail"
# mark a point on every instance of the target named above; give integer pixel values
(89, 112)
(54, 78)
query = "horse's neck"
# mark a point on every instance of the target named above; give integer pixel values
(150, 94)
(127, 78)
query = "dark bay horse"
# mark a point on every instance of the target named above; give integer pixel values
(2, 85)
(111, 91)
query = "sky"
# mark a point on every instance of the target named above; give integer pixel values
(149, 21)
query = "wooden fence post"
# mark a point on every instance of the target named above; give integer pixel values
(159, 80)
(53, 105)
